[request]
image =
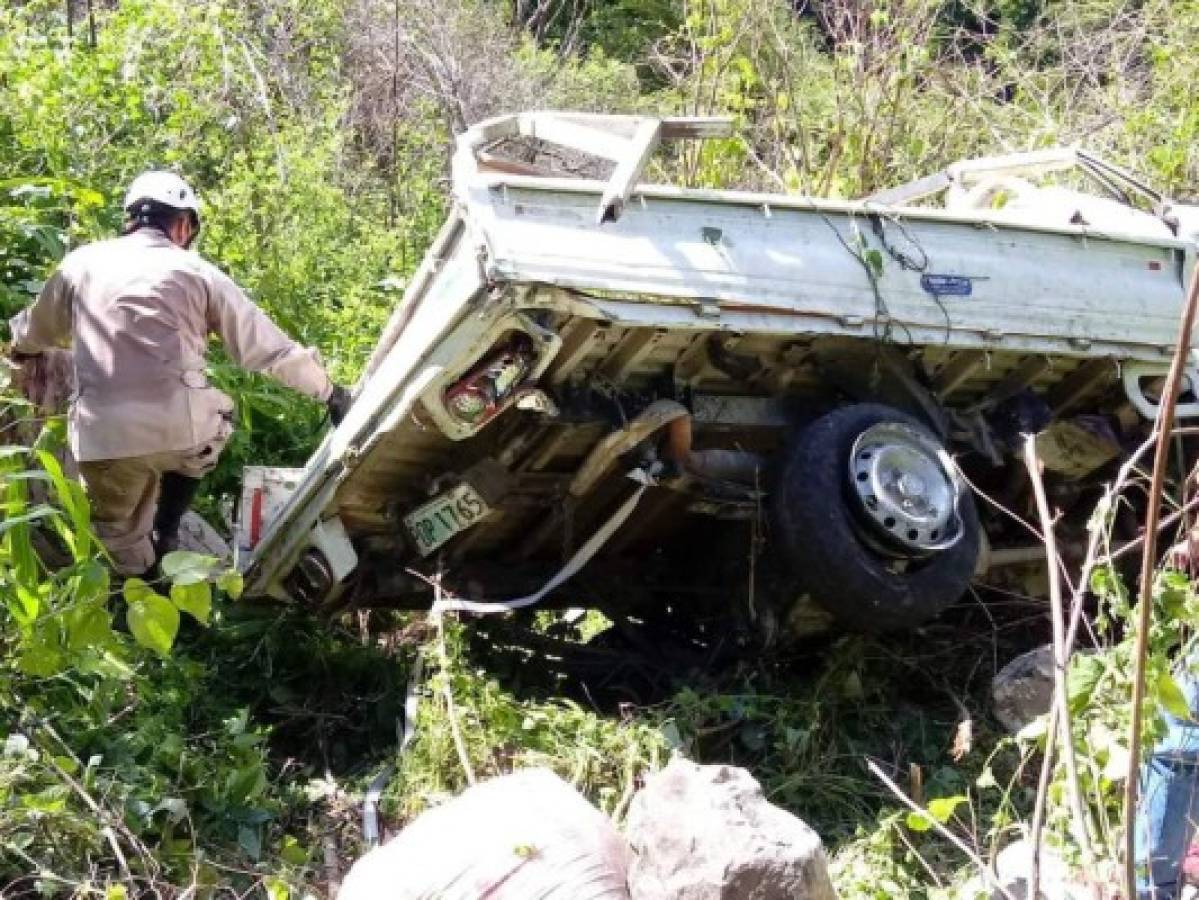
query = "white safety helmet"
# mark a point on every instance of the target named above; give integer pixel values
(165, 188)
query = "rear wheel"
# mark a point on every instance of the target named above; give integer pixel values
(872, 521)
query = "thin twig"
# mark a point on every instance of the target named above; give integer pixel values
(907, 801)
(1110, 498)
(1038, 810)
(1061, 658)
(1162, 428)
(1190, 506)
(111, 823)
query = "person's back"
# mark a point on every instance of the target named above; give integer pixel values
(137, 311)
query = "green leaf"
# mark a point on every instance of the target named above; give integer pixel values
(250, 839)
(245, 783)
(874, 259)
(939, 810)
(88, 626)
(193, 599)
(919, 821)
(116, 892)
(1082, 678)
(34, 515)
(135, 590)
(72, 498)
(942, 808)
(91, 582)
(153, 621)
(292, 852)
(231, 583)
(41, 660)
(186, 567)
(1171, 698)
(276, 889)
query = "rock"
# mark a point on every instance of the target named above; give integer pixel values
(197, 535)
(708, 833)
(1023, 689)
(519, 836)
(1013, 870)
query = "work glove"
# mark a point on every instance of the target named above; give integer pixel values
(338, 404)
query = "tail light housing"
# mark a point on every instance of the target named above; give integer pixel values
(482, 393)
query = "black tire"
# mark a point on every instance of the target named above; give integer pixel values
(816, 532)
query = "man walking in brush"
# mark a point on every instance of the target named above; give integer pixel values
(136, 311)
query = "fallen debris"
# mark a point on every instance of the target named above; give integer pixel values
(708, 833)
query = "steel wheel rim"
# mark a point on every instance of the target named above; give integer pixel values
(906, 488)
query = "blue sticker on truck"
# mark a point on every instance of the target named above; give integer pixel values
(947, 285)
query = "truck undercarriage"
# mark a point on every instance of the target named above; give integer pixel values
(805, 393)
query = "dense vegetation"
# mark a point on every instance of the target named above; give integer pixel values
(234, 756)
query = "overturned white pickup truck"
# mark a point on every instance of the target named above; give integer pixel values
(687, 397)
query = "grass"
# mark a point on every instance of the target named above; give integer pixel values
(604, 715)
(265, 730)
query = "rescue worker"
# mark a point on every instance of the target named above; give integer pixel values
(136, 311)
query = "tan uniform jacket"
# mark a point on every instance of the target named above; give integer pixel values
(137, 311)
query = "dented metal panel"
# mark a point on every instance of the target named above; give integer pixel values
(796, 269)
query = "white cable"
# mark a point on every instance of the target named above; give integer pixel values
(582, 556)
(374, 792)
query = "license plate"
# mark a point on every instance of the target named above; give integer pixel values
(445, 516)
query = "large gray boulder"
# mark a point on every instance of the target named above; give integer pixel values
(708, 833)
(1023, 689)
(516, 837)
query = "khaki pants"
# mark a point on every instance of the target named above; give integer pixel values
(124, 497)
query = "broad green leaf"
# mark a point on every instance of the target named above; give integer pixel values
(276, 889)
(250, 839)
(91, 582)
(942, 808)
(1081, 679)
(153, 622)
(41, 660)
(116, 892)
(186, 567)
(919, 821)
(231, 583)
(42, 655)
(135, 589)
(88, 626)
(1171, 698)
(194, 599)
(110, 666)
(245, 783)
(292, 852)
